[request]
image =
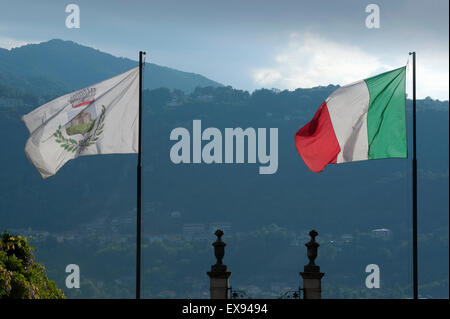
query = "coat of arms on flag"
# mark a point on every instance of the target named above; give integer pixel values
(101, 119)
(81, 125)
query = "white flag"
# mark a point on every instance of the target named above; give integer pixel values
(100, 119)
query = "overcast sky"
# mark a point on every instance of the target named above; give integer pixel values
(250, 44)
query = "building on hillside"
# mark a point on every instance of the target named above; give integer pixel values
(382, 233)
(347, 238)
(194, 232)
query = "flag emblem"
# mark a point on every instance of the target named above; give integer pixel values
(81, 125)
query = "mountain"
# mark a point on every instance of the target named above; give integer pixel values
(85, 214)
(286, 196)
(88, 207)
(57, 66)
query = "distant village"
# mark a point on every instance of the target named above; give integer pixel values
(120, 230)
(117, 230)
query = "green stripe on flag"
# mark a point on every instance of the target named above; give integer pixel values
(386, 123)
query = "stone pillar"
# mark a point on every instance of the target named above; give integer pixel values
(219, 274)
(312, 286)
(312, 277)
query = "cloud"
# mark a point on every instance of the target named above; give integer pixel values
(432, 74)
(309, 60)
(9, 43)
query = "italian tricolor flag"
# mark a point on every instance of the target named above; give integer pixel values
(360, 121)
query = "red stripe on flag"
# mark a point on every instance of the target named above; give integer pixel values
(316, 142)
(83, 103)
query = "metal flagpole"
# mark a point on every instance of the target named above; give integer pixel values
(414, 163)
(138, 217)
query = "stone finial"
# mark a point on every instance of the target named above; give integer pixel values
(219, 247)
(219, 274)
(312, 246)
(312, 285)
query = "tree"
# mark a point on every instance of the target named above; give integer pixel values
(20, 276)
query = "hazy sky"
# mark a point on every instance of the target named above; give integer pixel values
(249, 43)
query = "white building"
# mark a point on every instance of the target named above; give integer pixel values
(382, 233)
